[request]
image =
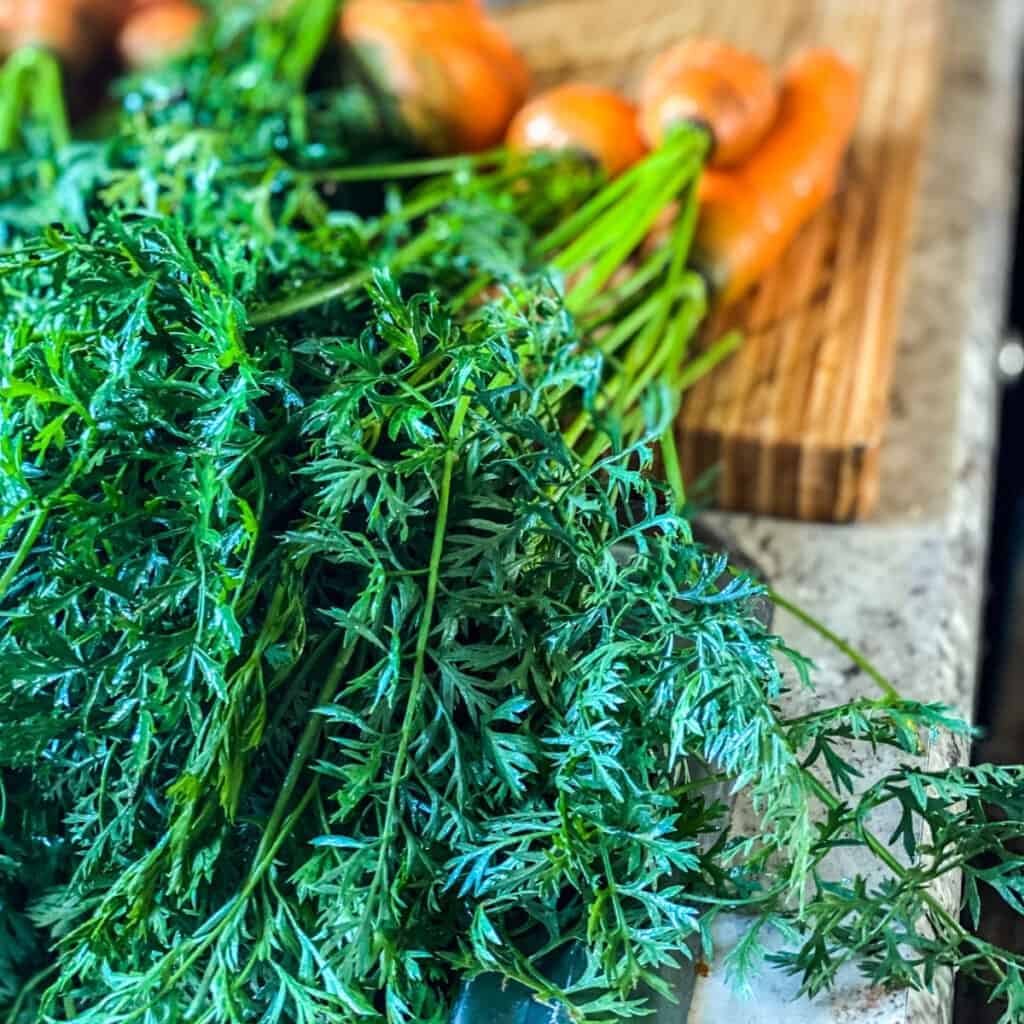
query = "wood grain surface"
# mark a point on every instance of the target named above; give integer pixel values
(793, 424)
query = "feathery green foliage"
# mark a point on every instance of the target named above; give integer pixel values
(348, 646)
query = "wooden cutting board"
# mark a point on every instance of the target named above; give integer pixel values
(792, 424)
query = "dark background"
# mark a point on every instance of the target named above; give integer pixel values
(1000, 705)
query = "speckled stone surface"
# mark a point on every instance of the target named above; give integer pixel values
(906, 588)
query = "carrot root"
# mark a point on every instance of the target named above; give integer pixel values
(158, 32)
(750, 215)
(597, 122)
(448, 74)
(730, 92)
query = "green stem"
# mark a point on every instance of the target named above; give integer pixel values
(570, 228)
(260, 867)
(634, 321)
(314, 24)
(10, 102)
(409, 168)
(45, 96)
(641, 366)
(885, 855)
(338, 289)
(433, 194)
(864, 704)
(625, 232)
(419, 666)
(24, 549)
(618, 336)
(49, 102)
(303, 750)
(587, 244)
(703, 782)
(673, 471)
(611, 305)
(892, 695)
(26, 990)
(652, 167)
(273, 836)
(649, 320)
(707, 361)
(476, 287)
(310, 300)
(310, 660)
(608, 344)
(650, 356)
(415, 207)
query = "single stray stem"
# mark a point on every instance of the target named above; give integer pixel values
(337, 289)
(310, 300)
(408, 168)
(892, 695)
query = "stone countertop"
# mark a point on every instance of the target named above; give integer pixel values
(906, 587)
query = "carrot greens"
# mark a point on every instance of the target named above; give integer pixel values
(349, 645)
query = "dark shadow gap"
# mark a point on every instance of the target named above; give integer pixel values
(999, 707)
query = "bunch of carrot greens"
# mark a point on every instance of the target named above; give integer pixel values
(348, 645)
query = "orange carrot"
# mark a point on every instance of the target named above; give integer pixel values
(749, 216)
(74, 30)
(451, 75)
(157, 32)
(729, 91)
(587, 118)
